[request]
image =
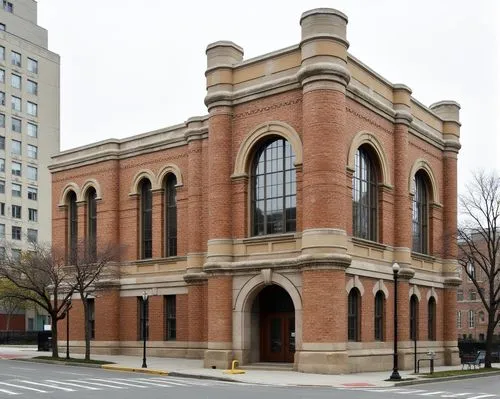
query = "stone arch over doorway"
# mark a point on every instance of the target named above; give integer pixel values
(246, 318)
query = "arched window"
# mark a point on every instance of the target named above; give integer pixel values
(353, 315)
(420, 212)
(274, 189)
(92, 222)
(364, 196)
(72, 227)
(146, 220)
(431, 319)
(170, 216)
(413, 317)
(379, 316)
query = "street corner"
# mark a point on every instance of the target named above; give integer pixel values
(117, 367)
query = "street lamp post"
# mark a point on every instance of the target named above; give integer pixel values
(144, 302)
(395, 374)
(68, 307)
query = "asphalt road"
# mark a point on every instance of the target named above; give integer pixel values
(34, 380)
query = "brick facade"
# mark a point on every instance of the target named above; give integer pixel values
(326, 105)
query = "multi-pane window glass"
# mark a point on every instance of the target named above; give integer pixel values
(16, 103)
(170, 318)
(2, 165)
(73, 226)
(364, 196)
(8, 6)
(2, 53)
(16, 147)
(146, 219)
(16, 232)
(91, 317)
(32, 193)
(32, 130)
(353, 319)
(472, 295)
(16, 254)
(2, 76)
(2, 143)
(431, 319)
(92, 222)
(2, 208)
(459, 319)
(2, 120)
(143, 310)
(16, 190)
(32, 215)
(15, 58)
(32, 65)
(16, 125)
(33, 235)
(170, 216)
(32, 87)
(32, 151)
(419, 215)
(2, 98)
(16, 211)
(2, 27)
(32, 108)
(460, 295)
(2, 186)
(472, 321)
(379, 316)
(15, 81)
(2, 231)
(274, 200)
(16, 169)
(413, 317)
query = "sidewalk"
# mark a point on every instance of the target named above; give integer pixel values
(193, 368)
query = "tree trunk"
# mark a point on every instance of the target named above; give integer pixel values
(489, 340)
(87, 330)
(7, 322)
(55, 349)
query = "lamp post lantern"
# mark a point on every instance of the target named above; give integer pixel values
(395, 374)
(68, 307)
(144, 303)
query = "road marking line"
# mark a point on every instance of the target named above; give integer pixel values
(411, 391)
(487, 395)
(431, 393)
(180, 381)
(22, 368)
(9, 392)
(22, 387)
(99, 384)
(454, 395)
(156, 383)
(48, 385)
(113, 381)
(74, 385)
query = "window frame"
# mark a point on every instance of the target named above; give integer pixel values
(16, 103)
(143, 311)
(14, 123)
(72, 226)
(13, 59)
(14, 190)
(431, 319)
(170, 204)
(379, 316)
(92, 221)
(354, 315)
(414, 305)
(17, 233)
(146, 219)
(170, 303)
(420, 214)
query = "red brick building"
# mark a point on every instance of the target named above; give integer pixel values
(266, 231)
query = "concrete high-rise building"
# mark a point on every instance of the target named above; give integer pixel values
(29, 129)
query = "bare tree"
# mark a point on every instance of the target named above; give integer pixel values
(479, 245)
(92, 270)
(9, 304)
(39, 276)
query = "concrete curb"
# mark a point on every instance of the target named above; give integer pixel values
(59, 362)
(201, 377)
(444, 379)
(113, 367)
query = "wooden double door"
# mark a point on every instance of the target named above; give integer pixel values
(277, 337)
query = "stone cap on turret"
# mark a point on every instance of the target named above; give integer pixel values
(324, 22)
(223, 53)
(447, 110)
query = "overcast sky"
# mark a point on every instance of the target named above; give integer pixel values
(128, 67)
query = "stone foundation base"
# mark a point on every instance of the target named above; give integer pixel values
(322, 362)
(219, 359)
(451, 356)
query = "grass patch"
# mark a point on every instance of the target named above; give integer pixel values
(72, 360)
(451, 373)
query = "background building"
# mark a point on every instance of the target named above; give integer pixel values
(29, 130)
(267, 230)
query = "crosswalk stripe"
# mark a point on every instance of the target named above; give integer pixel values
(431, 393)
(155, 383)
(455, 395)
(21, 387)
(48, 385)
(9, 392)
(99, 384)
(410, 391)
(487, 395)
(113, 381)
(179, 380)
(72, 384)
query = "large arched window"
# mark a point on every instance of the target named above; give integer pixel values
(92, 222)
(431, 319)
(72, 227)
(170, 216)
(379, 316)
(364, 196)
(146, 220)
(353, 315)
(274, 189)
(414, 317)
(420, 214)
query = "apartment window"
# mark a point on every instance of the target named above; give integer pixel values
(379, 316)
(170, 318)
(16, 255)
(143, 310)
(16, 147)
(2, 186)
(2, 120)
(2, 98)
(146, 219)
(32, 173)
(481, 316)
(16, 169)
(353, 315)
(2, 208)
(32, 215)
(32, 87)
(2, 53)
(2, 165)
(16, 211)
(16, 190)
(2, 27)
(32, 65)
(32, 235)
(15, 81)
(15, 58)
(2, 76)
(16, 103)
(32, 151)
(32, 130)
(472, 321)
(91, 317)
(32, 193)
(16, 232)
(8, 6)
(460, 295)
(2, 143)
(2, 231)
(459, 319)
(472, 295)
(92, 222)
(16, 125)
(32, 108)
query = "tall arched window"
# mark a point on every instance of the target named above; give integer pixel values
(170, 216)
(274, 189)
(146, 220)
(353, 315)
(72, 227)
(420, 212)
(92, 222)
(379, 316)
(364, 196)
(414, 317)
(431, 319)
